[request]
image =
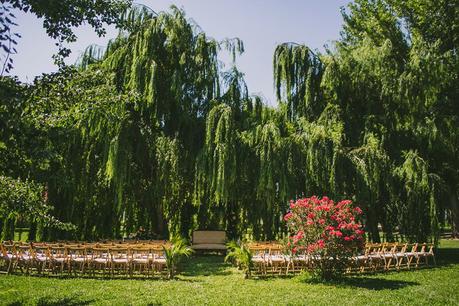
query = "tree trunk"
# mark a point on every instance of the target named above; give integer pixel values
(8, 229)
(372, 225)
(454, 217)
(32, 231)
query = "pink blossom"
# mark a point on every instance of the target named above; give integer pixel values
(321, 243)
(344, 203)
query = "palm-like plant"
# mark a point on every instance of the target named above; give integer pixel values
(175, 253)
(240, 254)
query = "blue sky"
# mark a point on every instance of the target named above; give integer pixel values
(261, 24)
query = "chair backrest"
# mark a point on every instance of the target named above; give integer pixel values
(157, 252)
(141, 252)
(76, 251)
(259, 250)
(24, 250)
(209, 237)
(119, 252)
(41, 251)
(58, 252)
(375, 248)
(389, 247)
(275, 250)
(401, 248)
(423, 248)
(99, 253)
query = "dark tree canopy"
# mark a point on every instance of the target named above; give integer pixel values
(153, 132)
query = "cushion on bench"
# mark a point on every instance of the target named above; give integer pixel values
(209, 237)
(208, 246)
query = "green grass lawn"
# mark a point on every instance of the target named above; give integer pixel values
(206, 280)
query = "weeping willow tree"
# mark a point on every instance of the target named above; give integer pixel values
(383, 82)
(134, 114)
(139, 145)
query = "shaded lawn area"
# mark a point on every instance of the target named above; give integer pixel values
(207, 280)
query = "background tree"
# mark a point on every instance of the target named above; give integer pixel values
(59, 20)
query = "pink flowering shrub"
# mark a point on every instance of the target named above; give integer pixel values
(328, 232)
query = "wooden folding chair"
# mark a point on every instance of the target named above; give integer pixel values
(77, 259)
(58, 258)
(407, 253)
(276, 260)
(24, 257)
(299, 261)
(9, 256)
(361, 262)
(159, 259)
(375, 258)
(99, 260)
(389, 255)
(259, 259)
(399, 255)
(120, 260)
(425, 254)
(41, 258)
(141, 259)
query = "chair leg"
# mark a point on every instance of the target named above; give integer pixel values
(400, 262)
(9, 266)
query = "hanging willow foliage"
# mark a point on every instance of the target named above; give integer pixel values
(320, 144)
(372, 174)
(297, 76)
(416, 204)
(220, 151)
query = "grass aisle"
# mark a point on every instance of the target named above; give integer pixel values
(208, 281)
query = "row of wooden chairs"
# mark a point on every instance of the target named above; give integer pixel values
(271, 258)
(393, 256)
(145, 259)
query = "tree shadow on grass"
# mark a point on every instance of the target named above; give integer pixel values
(373, 283)
(447, 256)
(53, 301)
(363, 282)
(108, 278)
(358, 282)
(205, 266)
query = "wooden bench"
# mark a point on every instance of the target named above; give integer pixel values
(209, 241)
